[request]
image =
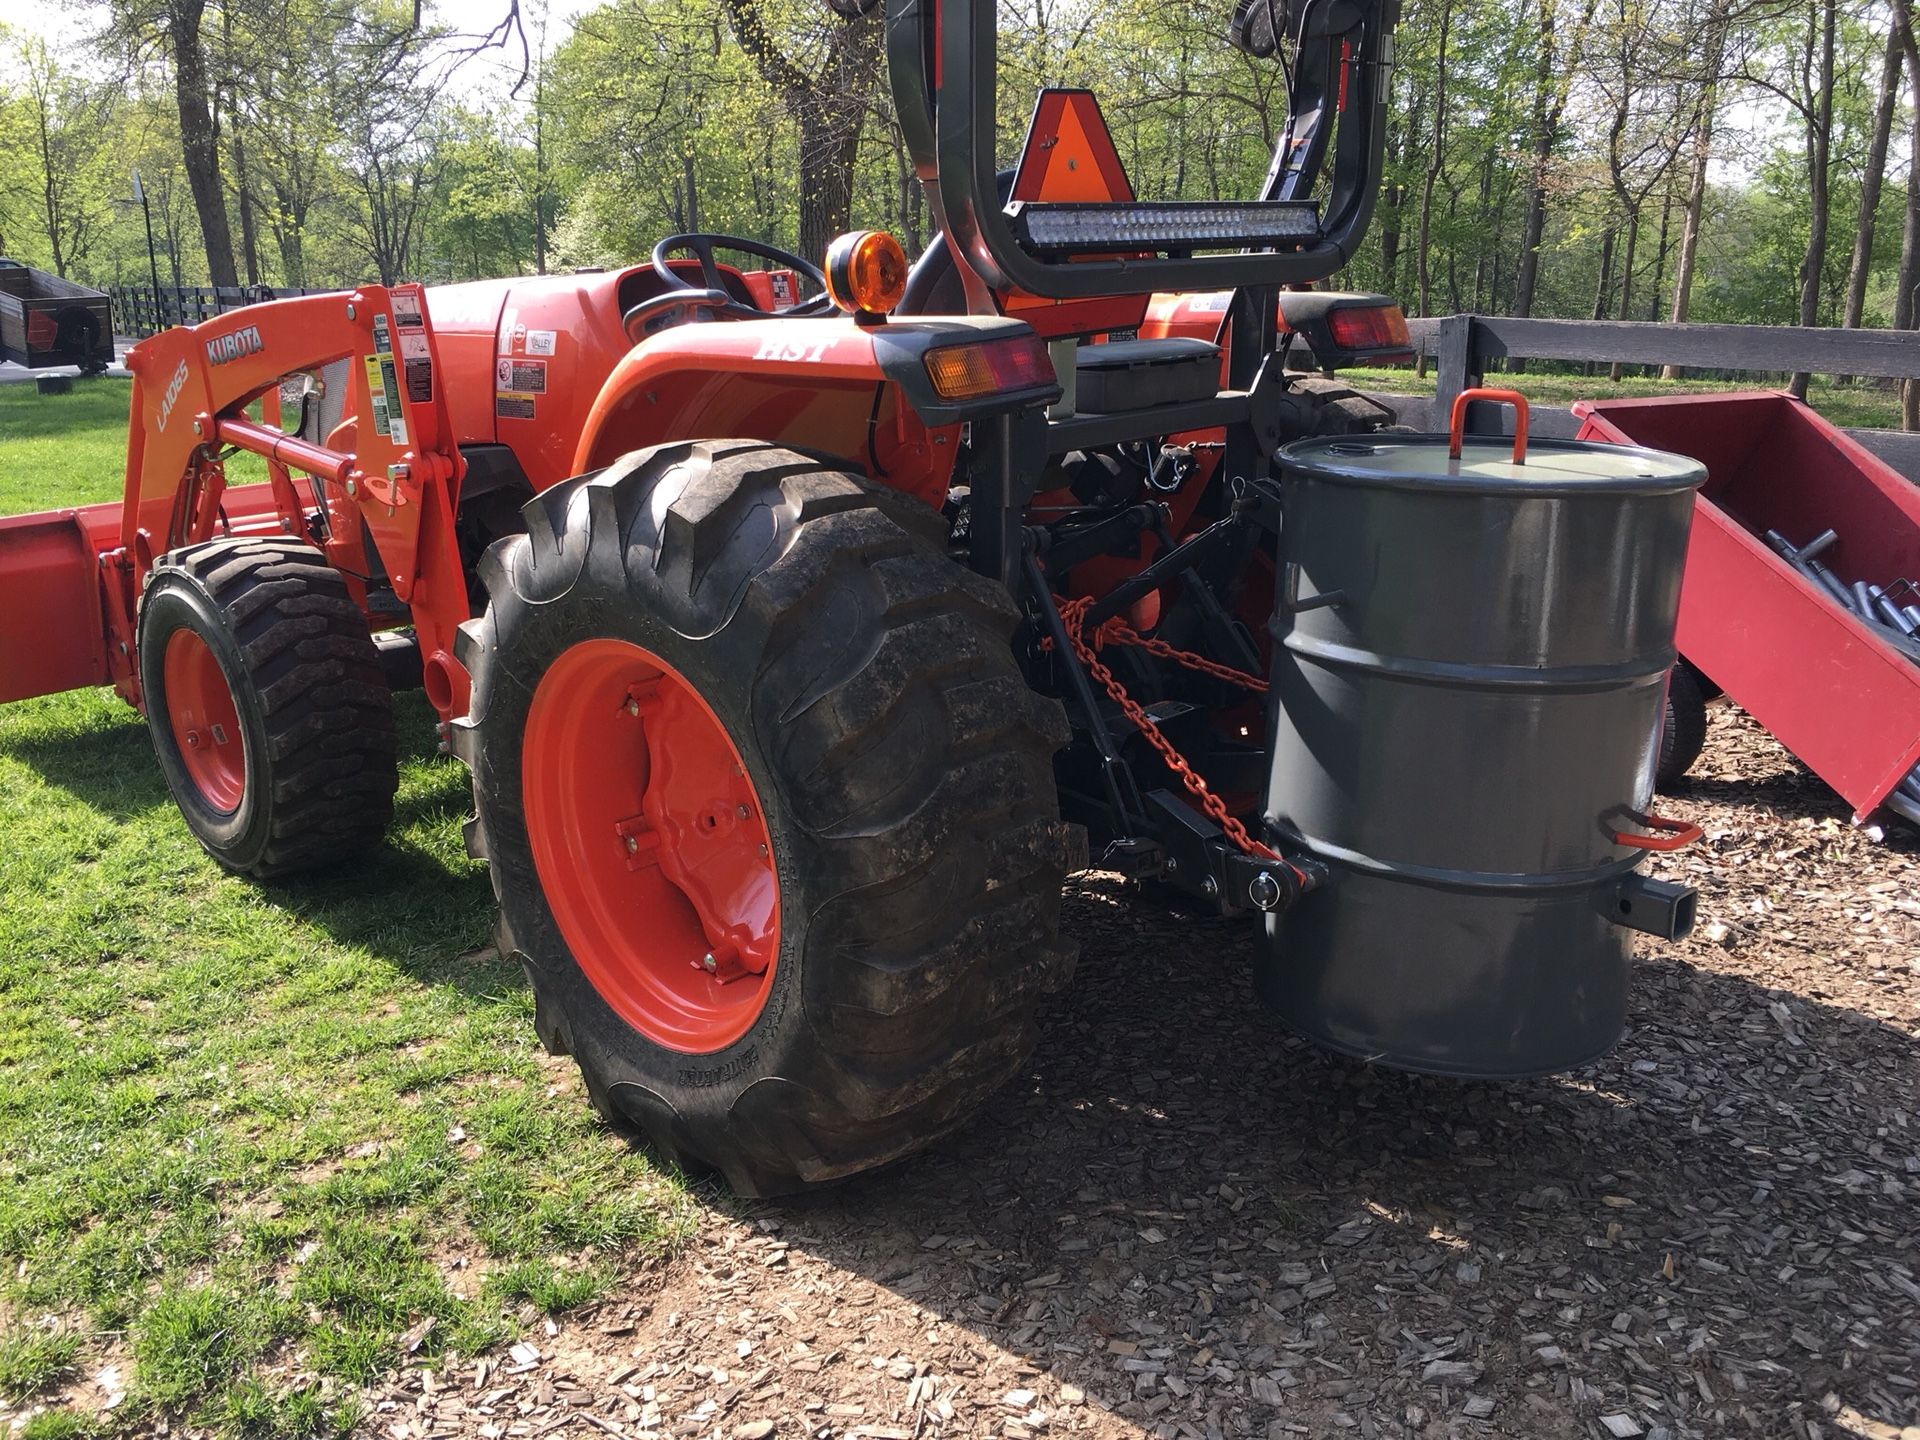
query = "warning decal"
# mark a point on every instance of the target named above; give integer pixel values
(509, 406)
(383, 386)
(397, 416)
(382, 425)
(420, 381)
(527, 376)
(406, 309)
(418, 362)
(382, 334)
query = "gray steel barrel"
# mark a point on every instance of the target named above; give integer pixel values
(1468, 677)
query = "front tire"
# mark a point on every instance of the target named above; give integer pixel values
(768, 808)
(269, 714)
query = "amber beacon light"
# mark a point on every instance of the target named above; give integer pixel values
(866, 273)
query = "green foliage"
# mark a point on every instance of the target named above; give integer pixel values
(356, 145)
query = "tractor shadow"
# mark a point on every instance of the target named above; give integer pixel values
(415, 901)
(1176, 1177)
(107, 764)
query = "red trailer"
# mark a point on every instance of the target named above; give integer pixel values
(1830, 687)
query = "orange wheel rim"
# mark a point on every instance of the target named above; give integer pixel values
(651, 846)
(204, 720)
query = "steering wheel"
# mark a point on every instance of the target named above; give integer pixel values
(712, 295)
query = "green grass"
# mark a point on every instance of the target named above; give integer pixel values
(32, 1358)
(1863, 405)
(59, 450)
(251, 1136)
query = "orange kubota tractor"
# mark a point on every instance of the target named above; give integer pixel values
(798, 624)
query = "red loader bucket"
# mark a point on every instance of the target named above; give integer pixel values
(53, 636)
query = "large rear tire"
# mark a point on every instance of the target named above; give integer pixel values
(269, 713)
(768, 808)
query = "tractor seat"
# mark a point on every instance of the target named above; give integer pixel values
(1139, 374)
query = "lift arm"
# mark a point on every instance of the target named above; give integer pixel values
(392, 462)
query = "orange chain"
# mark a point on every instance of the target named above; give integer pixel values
(1115, 631)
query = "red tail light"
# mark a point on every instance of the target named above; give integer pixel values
(989, 367)
(1359, 328)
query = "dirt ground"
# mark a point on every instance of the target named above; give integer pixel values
(1184, 1222)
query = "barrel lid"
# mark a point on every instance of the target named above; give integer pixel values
(1486, 463)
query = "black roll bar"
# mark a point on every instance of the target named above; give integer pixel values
(1338, 93)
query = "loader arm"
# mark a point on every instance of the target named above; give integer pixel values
(392, 463)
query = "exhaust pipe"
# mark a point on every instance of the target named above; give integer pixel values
(1655, 907)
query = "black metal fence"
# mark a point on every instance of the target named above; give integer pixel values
(139, 310)
(1466, 346)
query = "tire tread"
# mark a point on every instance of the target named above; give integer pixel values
(332, 766)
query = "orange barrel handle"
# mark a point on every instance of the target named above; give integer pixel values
(1670, 834)
(1457, 437)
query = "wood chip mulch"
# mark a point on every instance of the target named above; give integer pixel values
(1185, 1223)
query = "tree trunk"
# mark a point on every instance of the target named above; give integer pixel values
(1871, 183)
(1545, 129)
(1549, 110)
(1715, 49)
(540, 161)
(249, 231)
(1660, 258)
(1486, 254)
(1819, 180)
(1393, 199)
(829, 146)
(200, 138)
(1603, 291)
(1623, 197)
(1617, 369)
(1436, 159)
(1909, 279)
(830, 107)
(50, 183)
(289, 221)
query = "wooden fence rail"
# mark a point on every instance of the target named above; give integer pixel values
(1464, 345)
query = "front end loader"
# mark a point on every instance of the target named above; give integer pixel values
(805, 625)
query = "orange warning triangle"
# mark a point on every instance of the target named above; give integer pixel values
(1070, 159)
(1070, 156)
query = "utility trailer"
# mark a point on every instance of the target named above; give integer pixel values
(801, 636)
(46, 320)
(1770, 623)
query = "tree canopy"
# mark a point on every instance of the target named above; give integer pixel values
(1746, 160)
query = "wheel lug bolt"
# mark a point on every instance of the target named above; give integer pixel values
(633, 707)
(744, 812)
(632, 845)
(194, 740)
(763, 850)
(708, 963)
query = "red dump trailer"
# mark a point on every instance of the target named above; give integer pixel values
(1836, 691)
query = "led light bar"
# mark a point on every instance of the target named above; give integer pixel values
(1166, 225)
